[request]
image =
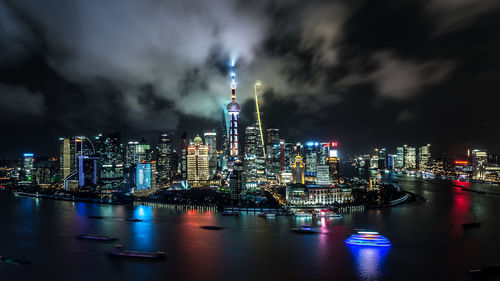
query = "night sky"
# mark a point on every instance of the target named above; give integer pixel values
(365, 73)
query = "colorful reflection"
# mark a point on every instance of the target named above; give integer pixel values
(143, 232)
(368, 238)
(369, 261)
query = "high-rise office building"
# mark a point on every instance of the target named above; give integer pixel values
(424, 158)
(143, 152)
(290, 153)
(184, 152)
(250, 157)
(273, 153)
(28, 166)
(400, 160)
(66, 157)
(298, 169)
(165, 164)
(111, 162)
(130, 154)
(233, 109)
(311, 157)
(324, 147)
(410, 158)
(211, 142)
(198, 174)
(479, 161)
(334, 169)
(323, 175)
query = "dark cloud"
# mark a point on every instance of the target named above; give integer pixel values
(367, 72)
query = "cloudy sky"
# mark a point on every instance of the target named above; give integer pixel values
(366, 73)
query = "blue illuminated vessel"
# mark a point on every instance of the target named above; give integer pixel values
(368, 238)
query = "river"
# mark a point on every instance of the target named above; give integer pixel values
(428, 240)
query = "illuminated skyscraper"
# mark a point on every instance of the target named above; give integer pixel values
(130, 154)
(323, 175)
(28, 161)
(479, 161)
(273, 153)
(233, 109)
(400, 159)
(197, 164)
(290, 153)
(424, 157)
(298, 170)
(410, 159)
(66, 157)
(250, 157)
(165, 164)
(311, 153)
(211, 142)
(333, 162)
(110, 168)
(184, 147)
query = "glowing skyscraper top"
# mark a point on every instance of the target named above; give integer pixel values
(233, 109)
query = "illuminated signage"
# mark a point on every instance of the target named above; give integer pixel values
(143, 176)
(461, 162)
(333, 153)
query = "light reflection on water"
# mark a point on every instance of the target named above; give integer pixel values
(368, 260)
(143, 232)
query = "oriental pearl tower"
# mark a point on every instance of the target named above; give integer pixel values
(233, 109)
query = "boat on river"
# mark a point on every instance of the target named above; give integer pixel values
(368, 238)
(13, 261)
(119, 252)
(212, 227)
(96, 237)
(134, 220)
(488, 271)
(305, 229)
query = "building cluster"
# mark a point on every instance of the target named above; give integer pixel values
(475, 165)
(241, 160)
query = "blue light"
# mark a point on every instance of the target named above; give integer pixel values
(28, 154)
(368, 239)
(143, 176)
(310, 143)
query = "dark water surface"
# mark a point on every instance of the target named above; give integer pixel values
(428, 240)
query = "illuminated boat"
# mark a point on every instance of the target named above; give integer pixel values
(368, 238)
(303, 215)
(267, 215)
(305, 229)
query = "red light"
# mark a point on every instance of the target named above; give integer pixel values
(460, 162)
(334, 144)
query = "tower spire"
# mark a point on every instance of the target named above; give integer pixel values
(233, 109)
(233, 84)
